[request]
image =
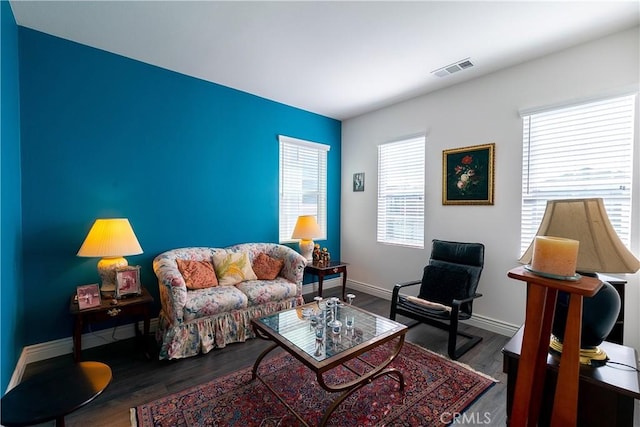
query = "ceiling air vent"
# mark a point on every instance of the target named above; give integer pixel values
(463, 64)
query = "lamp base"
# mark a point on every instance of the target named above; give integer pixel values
(107, 267)
(306, 249)
(588, 356)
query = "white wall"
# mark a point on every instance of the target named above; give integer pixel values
(480, 111)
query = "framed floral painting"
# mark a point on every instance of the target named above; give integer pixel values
(467, 175)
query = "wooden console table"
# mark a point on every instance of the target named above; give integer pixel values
(542, 294)
(606, 393)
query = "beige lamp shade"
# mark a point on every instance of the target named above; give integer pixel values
(586, 220)
(306, 229)
(111, 239)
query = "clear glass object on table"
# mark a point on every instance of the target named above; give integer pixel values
(332, 306)
(320, 340)
(349, 322)
(322, 306)
(313, 321)
(350, 298)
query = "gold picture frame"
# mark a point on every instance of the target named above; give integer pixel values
(468, 175)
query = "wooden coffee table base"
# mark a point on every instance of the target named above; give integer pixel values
(345, 388)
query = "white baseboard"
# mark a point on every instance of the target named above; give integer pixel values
(479, 321)
(47, 350)
(370, 289)
(60, 347)
(493, 325)
(312, 288)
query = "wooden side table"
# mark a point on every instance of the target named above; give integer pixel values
(131, 306)
(54, 394)
(541, 302)
(606, 393)
(334, 267)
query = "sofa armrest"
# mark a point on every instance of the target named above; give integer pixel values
(294, 265)
(173, 289)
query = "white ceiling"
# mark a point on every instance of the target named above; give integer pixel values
(338, 59)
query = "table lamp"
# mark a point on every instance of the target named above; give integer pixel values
(111, 239)
(600, 251)
(306, 229)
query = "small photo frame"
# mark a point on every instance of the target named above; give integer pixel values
(358, 181)
(88, 296)
(467, 175)
(128, 281)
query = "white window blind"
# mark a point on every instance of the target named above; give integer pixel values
(401, 192)
(303, 184)
(580, 151)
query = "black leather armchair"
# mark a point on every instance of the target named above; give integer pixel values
(447, 291)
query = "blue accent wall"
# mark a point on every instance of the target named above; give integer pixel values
(11, 331)
(189, 162)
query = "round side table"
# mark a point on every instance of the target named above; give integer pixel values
(52, 395)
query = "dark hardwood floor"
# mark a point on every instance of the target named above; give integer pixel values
(137, 380)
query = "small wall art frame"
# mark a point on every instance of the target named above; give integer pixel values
(128, 281)
(468, 175)
(358, 181)
(88, 296)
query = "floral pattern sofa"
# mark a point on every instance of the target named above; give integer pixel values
(194, 321)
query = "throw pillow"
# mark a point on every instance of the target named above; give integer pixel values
(197, 274)
(443, 284)
(233, 268)
(267, 268)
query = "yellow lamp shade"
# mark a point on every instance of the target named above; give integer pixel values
(111, 239)
(306, 229)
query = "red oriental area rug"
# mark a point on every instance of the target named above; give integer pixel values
(435, 389)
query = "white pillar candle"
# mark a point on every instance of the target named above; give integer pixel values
(555, 255)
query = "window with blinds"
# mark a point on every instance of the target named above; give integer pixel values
(580, 151)
(401, 192)
(303, 184)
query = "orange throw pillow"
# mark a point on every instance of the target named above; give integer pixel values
(267, 268)
(197, 274)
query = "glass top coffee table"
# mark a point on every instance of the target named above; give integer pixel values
(310, 335)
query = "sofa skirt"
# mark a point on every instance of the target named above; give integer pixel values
(203, 335)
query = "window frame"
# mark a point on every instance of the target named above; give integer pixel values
(399, 161)
(578, 120)
(295, 176)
